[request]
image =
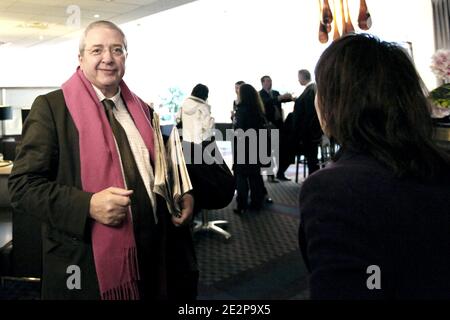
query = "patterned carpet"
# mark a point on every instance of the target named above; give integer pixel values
(256, 238)
(260, 261)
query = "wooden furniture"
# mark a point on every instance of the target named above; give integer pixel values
(4, 173)
(442, 137)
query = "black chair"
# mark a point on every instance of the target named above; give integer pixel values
(8, 145)
(207, 225)
(326, 150)
(300, 159)
(6, 113)
(21, 258)
(222, 128)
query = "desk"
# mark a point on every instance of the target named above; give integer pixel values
(5, 212)
(442, 137)
(5, 170)
(4, 194)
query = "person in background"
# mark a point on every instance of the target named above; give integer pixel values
(237, 85)
(195, 115)
(374, 223)
(246, 165)
(306, 132)
(272, 101)
(85, 168)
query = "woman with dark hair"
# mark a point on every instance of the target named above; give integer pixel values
(237, 85)
(200, 91)
(247, 167)
(194, 116)
(375, 223)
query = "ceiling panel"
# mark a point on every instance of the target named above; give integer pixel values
(6, 3)
(86, 16)
(19, 7)
(40, 2)
(139, 2)
(108, 7)
(26, 23)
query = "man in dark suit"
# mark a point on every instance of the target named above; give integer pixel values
(272, 101)
(85, 169)
(306, 129)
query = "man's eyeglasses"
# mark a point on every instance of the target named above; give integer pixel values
(117, 51)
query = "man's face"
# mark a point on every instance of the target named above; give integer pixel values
(267, 84)
(103, 59)
(301, 80)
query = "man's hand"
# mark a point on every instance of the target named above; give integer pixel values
(285, 97)
(187, 209)
(110, 206)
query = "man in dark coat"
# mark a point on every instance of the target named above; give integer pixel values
(306, 129)
(105, 235)
(272, 101)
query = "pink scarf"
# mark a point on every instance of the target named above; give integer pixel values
(114, 248)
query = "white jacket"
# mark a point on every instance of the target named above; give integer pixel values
(196, 120)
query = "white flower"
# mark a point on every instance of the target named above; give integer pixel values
(440, 64)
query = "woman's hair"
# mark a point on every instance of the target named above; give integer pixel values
(200, 91)
(249, 97)
(371, 99)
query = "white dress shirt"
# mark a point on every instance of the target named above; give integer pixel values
(138, 148)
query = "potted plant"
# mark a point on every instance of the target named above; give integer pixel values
(440, 96)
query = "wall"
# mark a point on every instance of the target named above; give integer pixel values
(19, 98)
(218, 42)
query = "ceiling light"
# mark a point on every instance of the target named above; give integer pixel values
(96, 16)
(34, 25)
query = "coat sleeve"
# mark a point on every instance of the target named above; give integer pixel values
(33, 183)
(336, 243)
(207, 122)
(297, 120)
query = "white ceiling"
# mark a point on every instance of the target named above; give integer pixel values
(26, 23)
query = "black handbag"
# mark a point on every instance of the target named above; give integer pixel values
(212, 181)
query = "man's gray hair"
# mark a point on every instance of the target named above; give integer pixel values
(100, 23)
(305, 74)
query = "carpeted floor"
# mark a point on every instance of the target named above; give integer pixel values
(261, 260)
